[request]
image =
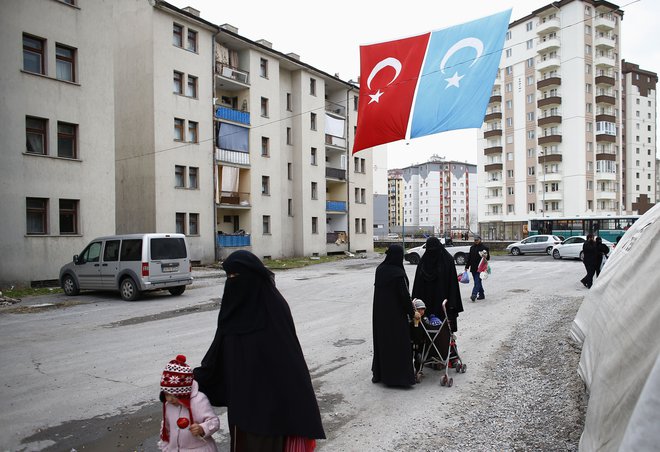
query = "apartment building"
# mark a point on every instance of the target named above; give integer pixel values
(639, 147)
(57, 169)
(394, 198)
(551, 142)
(441, 195)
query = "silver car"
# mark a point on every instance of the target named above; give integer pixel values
(541, 243)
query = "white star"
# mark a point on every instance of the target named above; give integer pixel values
(454, 80)
(375, 97)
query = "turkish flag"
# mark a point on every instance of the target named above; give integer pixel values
(389, 72)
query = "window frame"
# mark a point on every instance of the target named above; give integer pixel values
(263, 68)
(312, 86)
(179, 127)
(179, 176)
(177, 78)
(195, 42)
(191, 88)
(59, 59)
(265, 146)
(193, 177)
(29, 130)
(40, 52)
(193, 224)
(42, 211)
(193, 132)
(73, 212)
(177, 31)
(73, 137)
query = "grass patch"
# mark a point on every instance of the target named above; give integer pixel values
(22, 292)
(498, 252)
(298, 262)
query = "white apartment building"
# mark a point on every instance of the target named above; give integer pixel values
(441, 195)
(552, 134)
(57, 169)
(639, 148)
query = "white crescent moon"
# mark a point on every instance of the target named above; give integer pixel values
(390, 61)
(475, 43)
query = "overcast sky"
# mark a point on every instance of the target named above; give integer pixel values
(328, 36)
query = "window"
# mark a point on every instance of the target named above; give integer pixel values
(357, 225)
(265, 224)
(65, 63)
(531, 207)
(313, 156)
(178, 83)
(315, 193)
(36, 135)
(509, 190)
(177, 35)
(587, 29)
(68, 216)
(191, 88)
(265, 185)
(509, 122)
(509, 70)
(288, 102)
(587, 68)
(587, 49)
(508, 53)
(531, 152)
(289, 139)
(590, 185)
(315, 225)
(531, 134)
(528, 26)
(530, 98)
(289, 171)
(265, 146)
(530, 170)
(530, 44)
(193, 224)
(530, 62)
(33, 54)
(312, 121)
(508, 104)
(180, 223)
(531, 188)
(66, 140)
(312, 86)
(508, 35)
(264, 107)
(111, 251)
(589, 108)
(530, 116)
(179, 176)
(193, 177)
(263, 68)
(588, 87)
(192, 40)
(192, 132)
(363, 195)
(509, 173)
(355, 103)
(289, 204)
(36, 215)
(508, 87)
(178, 129)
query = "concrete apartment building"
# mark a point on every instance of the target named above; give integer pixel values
(394, 198)
(552, 142)
(57, 170)
(639, 147)
(438, 194)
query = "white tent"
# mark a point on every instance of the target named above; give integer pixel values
(618, 326)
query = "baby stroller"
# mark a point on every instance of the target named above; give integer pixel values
(434, 344)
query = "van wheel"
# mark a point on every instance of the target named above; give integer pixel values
(129, 290)
(460, 259)
(69, 285)
(178, 290)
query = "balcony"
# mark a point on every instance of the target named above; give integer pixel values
(495, 99)
(605, 176)
(605, 61)
(605, 41)
(606, 118)
(549, 158)
(338, 237)
(493, 133)
(233, 240)
(493, 116)
(335, 173)
(234, 200)
(552, 119)
(546, 25)
(233, 157)
(556, 195)
(335, 206)
(230, 114)
(493, 167)
(334, 108)
(548, 101)
(547, 62)
(233, 77)
(604, 22)
(493, 150)
(605, 99)
(605, 138)
(550, 177)
(547, 45)
(548, 82)
(336, 143)
(606, 195)
(605, 80)
(606, 155)
(493, 199)
(549, 139)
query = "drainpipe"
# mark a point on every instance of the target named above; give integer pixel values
(348, 177)
(213, 163)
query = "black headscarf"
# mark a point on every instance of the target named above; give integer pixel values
(255, 365)
(391, 267)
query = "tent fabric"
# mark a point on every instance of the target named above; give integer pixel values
(618, 328)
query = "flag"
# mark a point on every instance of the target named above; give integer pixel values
(451, 89)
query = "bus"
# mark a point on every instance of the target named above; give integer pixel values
(607, 227)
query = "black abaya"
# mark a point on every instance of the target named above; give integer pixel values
(255, 365)
(392, 362)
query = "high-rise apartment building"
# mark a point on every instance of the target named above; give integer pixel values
(57, 131)
(639, 147)
(438, 195)
(394, 197)
(552, 135)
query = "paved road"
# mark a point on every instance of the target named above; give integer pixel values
(83, 372)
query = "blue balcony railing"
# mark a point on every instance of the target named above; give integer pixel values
(229, 114)
(335, 206)
(231, 240)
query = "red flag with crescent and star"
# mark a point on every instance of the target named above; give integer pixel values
(388, 77)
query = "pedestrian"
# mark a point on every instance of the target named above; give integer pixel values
(602, 253)
(392, 311)
(477, 251)
(255, 366)
(189, 421)
(589, 259)
(436, 280)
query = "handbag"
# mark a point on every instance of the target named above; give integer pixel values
(465, 277)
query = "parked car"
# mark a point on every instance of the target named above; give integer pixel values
(459, 253)
(541, 243)
(392, 236)
(130, 264)
(571, 248)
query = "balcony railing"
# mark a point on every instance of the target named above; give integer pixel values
(233, 240)
(335, 173)
(335, 206)
(335, 108)
(331, 140)
(235, 157)
(229, 114)
(337, 237)
(232, 73)
(234, 199)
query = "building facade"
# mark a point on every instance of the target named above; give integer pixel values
(551, 143)
(57, 169)
(639, 147)
(394, 198)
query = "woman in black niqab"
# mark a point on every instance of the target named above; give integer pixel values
(392, 361)
(436, 280)
(255, 365)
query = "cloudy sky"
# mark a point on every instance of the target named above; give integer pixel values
(328, 36)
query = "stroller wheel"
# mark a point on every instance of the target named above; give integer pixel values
(444, 380)
(463, 368)
(458, 368)
(418, 378)
(450, 382)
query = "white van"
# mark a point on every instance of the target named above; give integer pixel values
(130, 264)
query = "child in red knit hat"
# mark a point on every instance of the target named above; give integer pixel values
(188, 418)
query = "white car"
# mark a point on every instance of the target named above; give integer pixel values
(459, 253)
(571, 248)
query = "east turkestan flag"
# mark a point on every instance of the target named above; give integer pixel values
(442, 79)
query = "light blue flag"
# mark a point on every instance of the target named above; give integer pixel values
(458, 74)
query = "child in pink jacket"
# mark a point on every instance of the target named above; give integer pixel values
(189, 421)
